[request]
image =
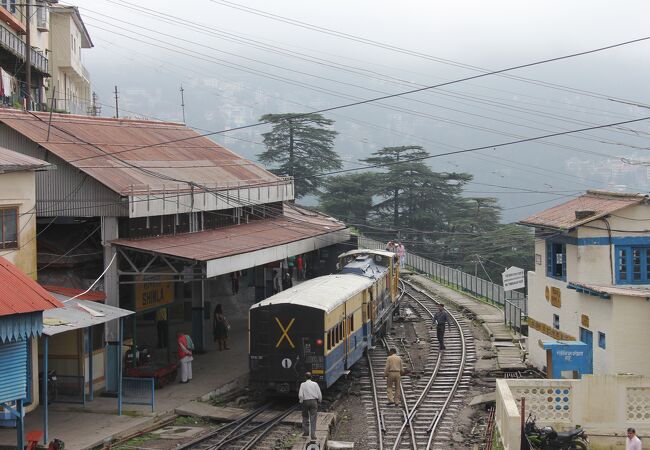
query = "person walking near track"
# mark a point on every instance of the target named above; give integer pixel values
(441, 318)
(393, 375)
(310, 396)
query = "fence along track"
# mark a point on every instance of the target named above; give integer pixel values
(430, 406)
(244, 433)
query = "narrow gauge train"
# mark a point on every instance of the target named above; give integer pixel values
(322, 325)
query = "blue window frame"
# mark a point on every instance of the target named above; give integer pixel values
(556, 260)
(632, 264)
(601, 340)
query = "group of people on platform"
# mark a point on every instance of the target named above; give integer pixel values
(399, 249)
(290, 268)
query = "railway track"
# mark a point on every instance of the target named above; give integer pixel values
(431, 394)
(260, 429)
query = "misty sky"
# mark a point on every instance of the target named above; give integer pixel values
(278, 67)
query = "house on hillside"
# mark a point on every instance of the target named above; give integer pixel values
(589, 296)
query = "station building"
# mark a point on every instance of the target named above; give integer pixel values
(172, 217)
(589, 296)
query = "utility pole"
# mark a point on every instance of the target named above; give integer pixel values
(117, 109)
(183, 102)
(28, 54)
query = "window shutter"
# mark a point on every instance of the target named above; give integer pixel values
(564, 262)
(13, 370)
(549, 259)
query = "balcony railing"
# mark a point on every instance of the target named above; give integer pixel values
(15, 45)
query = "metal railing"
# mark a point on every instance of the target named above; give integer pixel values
(138, 391)
(483, 289)
(15, 45)
(69, 389)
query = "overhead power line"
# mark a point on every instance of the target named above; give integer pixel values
(403, 93)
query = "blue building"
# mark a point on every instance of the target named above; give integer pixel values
(22, 302)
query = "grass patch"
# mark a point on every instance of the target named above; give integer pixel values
(135, 442)
(189, 421)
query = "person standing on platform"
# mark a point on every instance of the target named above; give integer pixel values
(393, 375)
(300, 267)
(441, 318)
(234, 278)
(401, 252)
(184, 356)
(277, 282)
(161, 327)
(632, 442)
(220, 327)
(309, 396)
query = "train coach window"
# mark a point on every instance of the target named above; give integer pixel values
(351, 323)
(339, 332)
(329, 340)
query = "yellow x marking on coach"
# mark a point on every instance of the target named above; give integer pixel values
(285, 333)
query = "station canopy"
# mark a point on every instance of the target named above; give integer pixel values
(240, 247)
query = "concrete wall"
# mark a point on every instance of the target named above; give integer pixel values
(605, 406)
(19, 189)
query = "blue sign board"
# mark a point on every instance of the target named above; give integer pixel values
(569, 359)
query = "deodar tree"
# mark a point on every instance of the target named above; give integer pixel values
(300, 146)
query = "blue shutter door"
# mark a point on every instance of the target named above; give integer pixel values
(13, 370)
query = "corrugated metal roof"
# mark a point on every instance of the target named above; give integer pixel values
(199, 159)
(601, 203)
(296, 224)
(630, 291)
(67, 292)
(78, 314)
(19, 294)
(325, 293)
(11, 161)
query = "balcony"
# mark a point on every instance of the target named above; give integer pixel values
(15, 45)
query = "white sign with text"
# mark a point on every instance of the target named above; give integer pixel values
(513, 278)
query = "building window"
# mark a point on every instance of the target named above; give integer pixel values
(556, 321)
(9, 5)
(8, 227)
(556, 260)
(632, 265)
(601, 340)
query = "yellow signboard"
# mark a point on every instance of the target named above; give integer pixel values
(584, 320)
(556, 297)
(153, 292)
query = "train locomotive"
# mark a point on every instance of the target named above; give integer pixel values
(322, 325)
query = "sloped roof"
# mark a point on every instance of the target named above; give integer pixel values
(11, 161)
(191, 157)
(77, 314)
(626, 290)
(594, 204)
(19, 294)
(294, 225)
(63, 293)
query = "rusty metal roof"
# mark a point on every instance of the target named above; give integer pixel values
(296, 224)
(19, 294)
(586, 208)
(198, 160)
(11, 161)
(63, 292)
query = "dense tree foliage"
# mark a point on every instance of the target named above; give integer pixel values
(301, 146)
(405, 200)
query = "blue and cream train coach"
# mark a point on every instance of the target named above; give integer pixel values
(322, 325)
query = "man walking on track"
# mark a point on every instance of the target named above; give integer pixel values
(309, 396)
(393, 374)
(441, 318)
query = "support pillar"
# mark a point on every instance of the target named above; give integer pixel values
(44, 386)
(111, 287)
(91, 393)
(198, 306)
(20, 424)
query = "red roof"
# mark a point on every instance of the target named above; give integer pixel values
(19, 294)
(591, 206)
(93, 296)
(296, 224)
(191, 157)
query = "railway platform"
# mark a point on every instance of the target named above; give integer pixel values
(509, 353)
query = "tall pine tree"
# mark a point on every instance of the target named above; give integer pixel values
(300, 146)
